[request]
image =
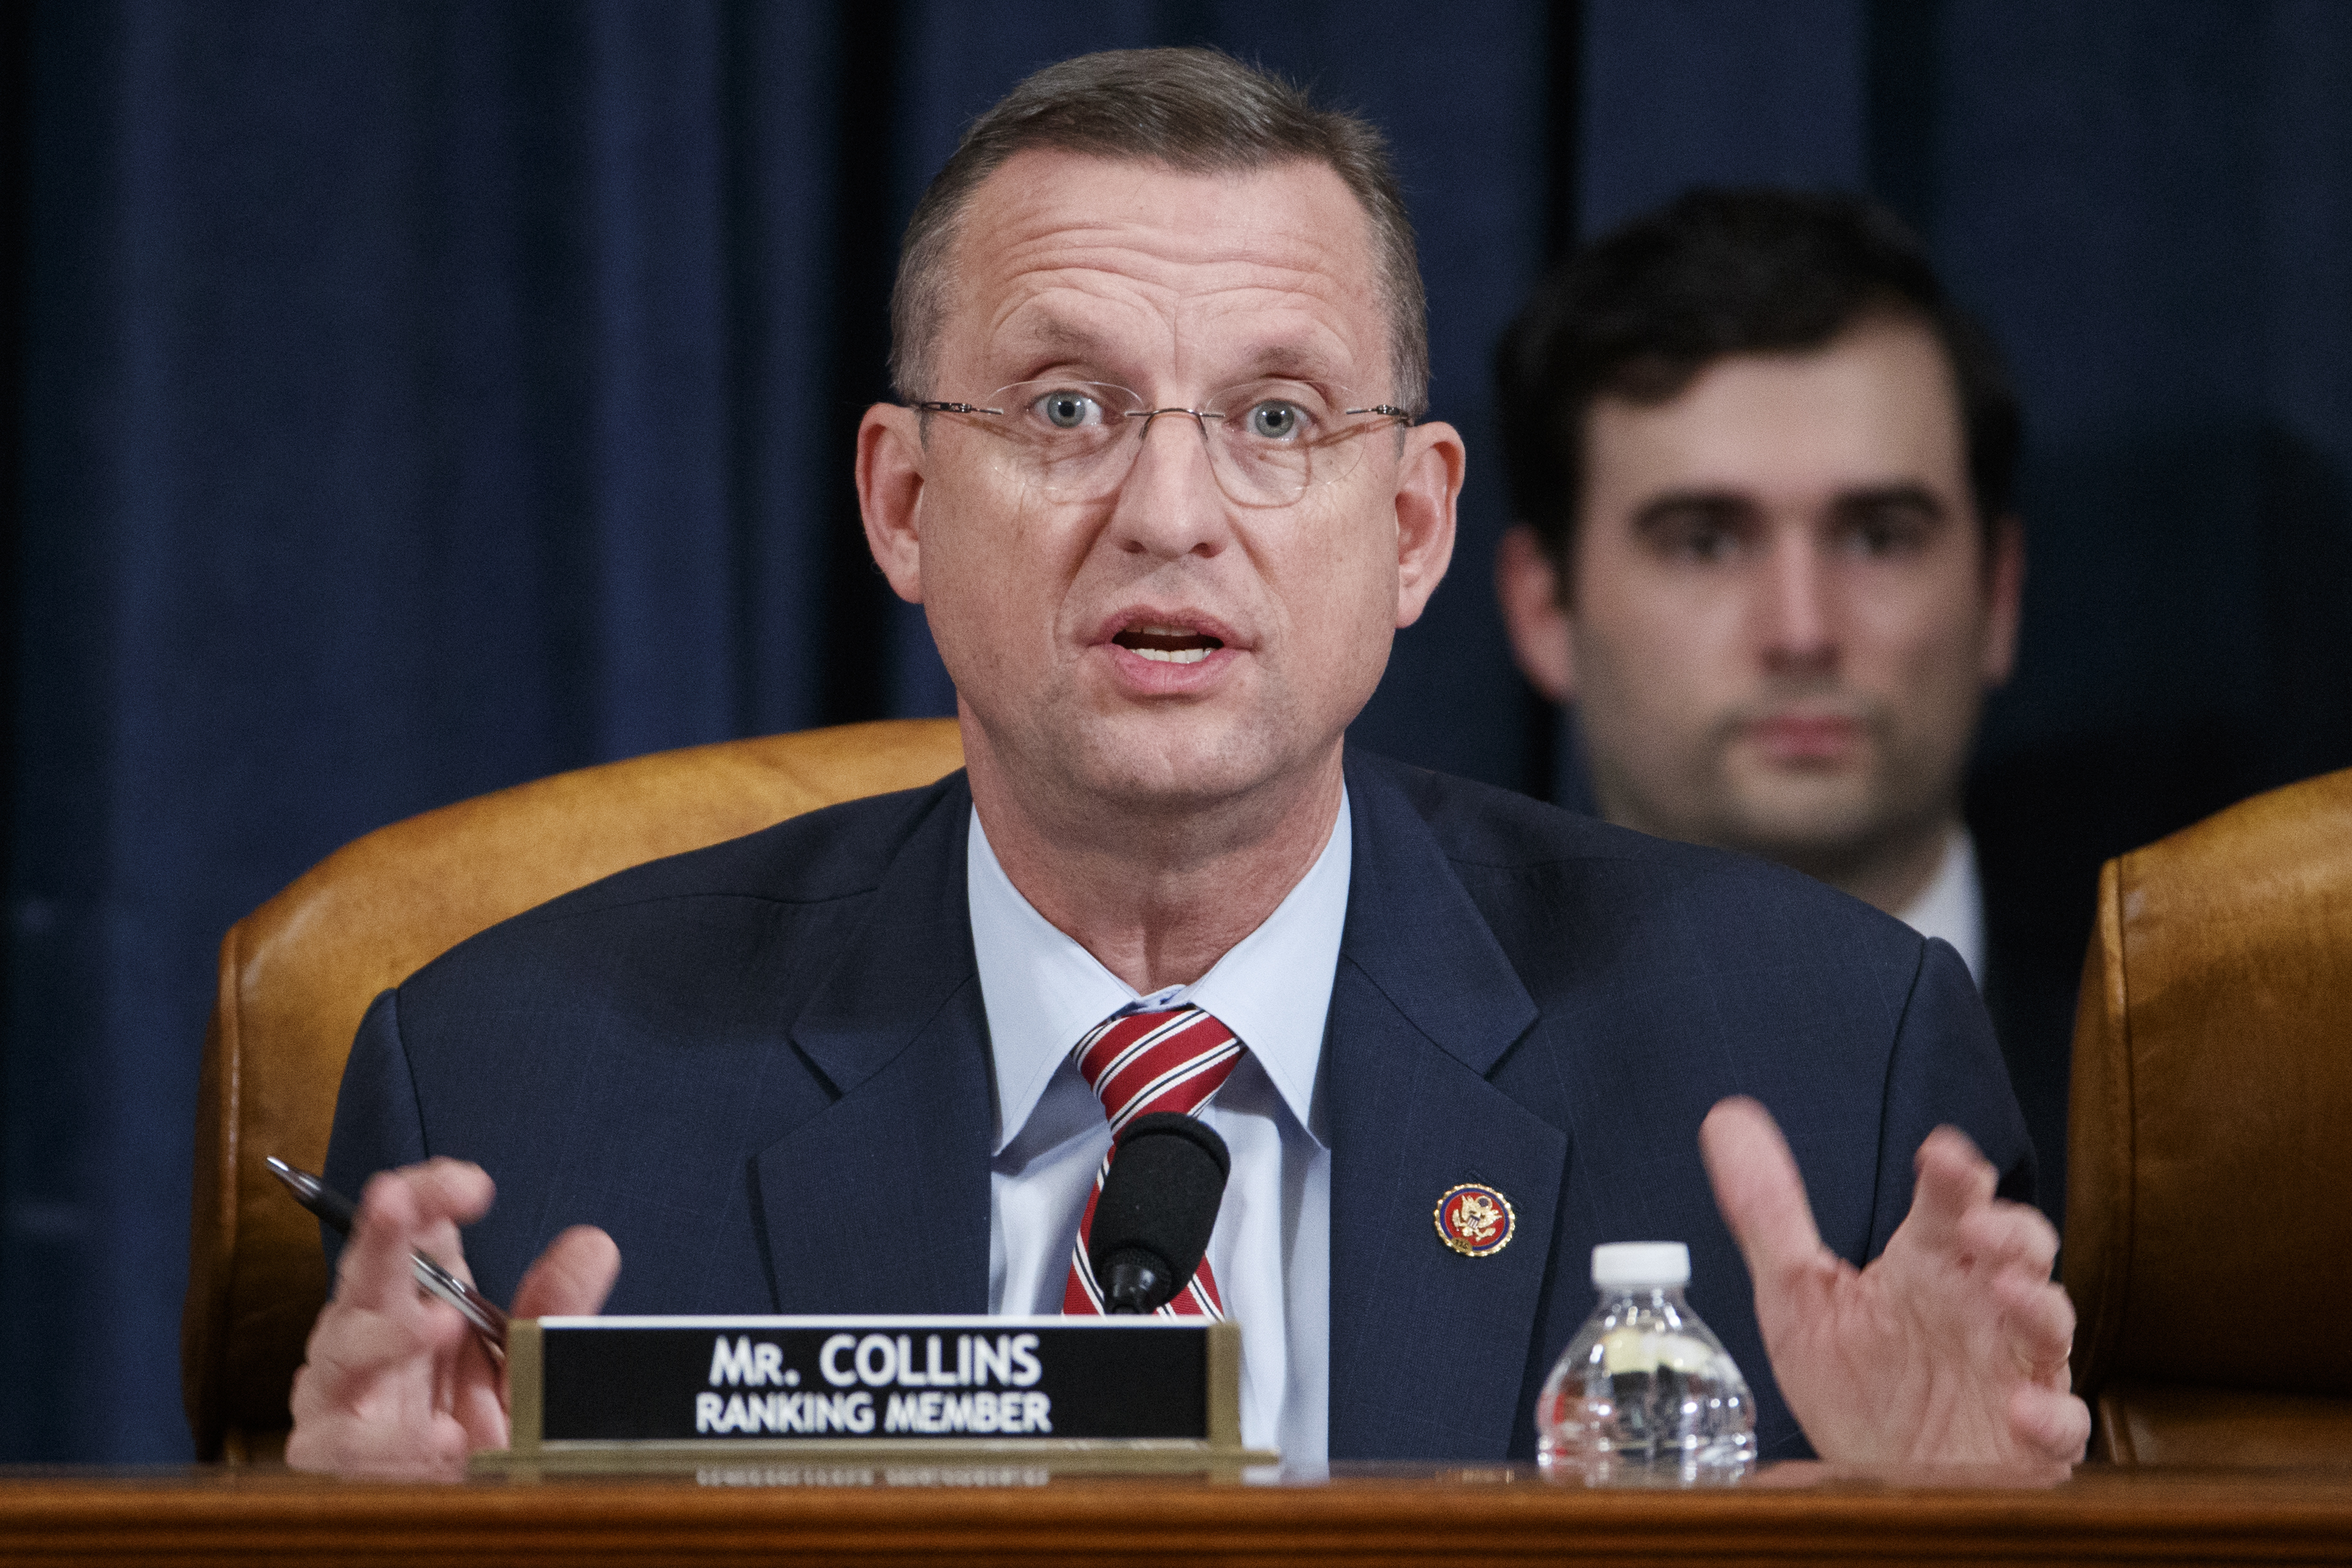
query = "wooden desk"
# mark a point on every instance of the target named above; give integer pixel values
(1387, 1515)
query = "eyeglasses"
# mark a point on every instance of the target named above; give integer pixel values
(1269, 441)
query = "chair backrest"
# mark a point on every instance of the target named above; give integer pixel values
(2208, 1200)
(297, 975)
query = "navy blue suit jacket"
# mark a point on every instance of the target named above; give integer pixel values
(764, 1068)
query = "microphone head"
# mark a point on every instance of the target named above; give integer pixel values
(1158, 1204)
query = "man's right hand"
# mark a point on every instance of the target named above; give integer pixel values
(1950, 1349)
(396, 1384)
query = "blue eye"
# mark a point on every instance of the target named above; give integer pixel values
(1066, 410)
(1274, 421)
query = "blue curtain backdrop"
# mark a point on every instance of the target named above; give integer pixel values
(416, 398)
(406, 399)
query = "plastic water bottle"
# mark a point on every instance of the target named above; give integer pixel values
(1645, 1393)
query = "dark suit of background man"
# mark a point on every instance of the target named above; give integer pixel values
(1161, 488)
(1765, 470)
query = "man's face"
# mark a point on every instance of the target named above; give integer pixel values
(1782, 619)
(1155, 641)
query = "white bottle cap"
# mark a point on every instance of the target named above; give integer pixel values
(1623, 1264)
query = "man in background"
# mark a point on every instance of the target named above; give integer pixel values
(1765, 473)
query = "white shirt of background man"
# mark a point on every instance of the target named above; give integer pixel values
(1952, 907)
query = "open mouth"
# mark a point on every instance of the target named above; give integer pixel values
(1168, 645)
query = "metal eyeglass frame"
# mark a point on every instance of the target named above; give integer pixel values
(1200, 415)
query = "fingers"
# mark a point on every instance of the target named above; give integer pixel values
(2052, 1425)
(415, 1208)
(377, 1333)
(351, 1347)
(1756, 1185)
(433, 1447)
(1953, 1179)
(572, 1278)
(365, 1402)
(2008, 1236)
(1758, 1188)
(2009, 1246)
(374, 1397)
(2040, 1324)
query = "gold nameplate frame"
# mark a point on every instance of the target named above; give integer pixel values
(1059, 1393)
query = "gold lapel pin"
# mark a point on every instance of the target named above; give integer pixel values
(1476, 1220)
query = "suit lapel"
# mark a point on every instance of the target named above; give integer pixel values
(880, 1203)
(1429, 1348)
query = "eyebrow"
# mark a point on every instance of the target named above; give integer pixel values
(1721, 505)
(1724, 505)
(1055, 338)
(1289, 362)
(1916, 498)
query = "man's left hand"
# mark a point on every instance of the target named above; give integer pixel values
(1950, 1349)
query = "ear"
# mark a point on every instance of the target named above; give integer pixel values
(890, 458)
(1429, 483)
(1528, 586)
(2004, 599)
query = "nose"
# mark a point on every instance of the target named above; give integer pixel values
(1795, 608)
(1170, 505)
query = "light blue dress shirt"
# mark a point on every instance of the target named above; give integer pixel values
(1272, 1247)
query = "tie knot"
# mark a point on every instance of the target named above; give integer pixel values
(1138, 1063)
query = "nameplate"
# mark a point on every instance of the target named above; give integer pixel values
(883, 1384)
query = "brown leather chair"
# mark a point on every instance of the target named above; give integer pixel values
(298, 973)
(2208, 1200)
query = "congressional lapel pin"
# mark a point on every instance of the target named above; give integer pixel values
(1475, 1220)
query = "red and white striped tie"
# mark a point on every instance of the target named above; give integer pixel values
(1140, 1063)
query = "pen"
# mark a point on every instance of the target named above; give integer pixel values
(489, 1323)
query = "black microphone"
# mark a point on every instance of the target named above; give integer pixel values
(1159, 1204)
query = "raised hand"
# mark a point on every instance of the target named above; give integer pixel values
(395, 1384)
(1950, 1349)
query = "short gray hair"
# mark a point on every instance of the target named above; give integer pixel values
(1198, 111)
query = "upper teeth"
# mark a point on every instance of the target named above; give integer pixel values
(1173, 655)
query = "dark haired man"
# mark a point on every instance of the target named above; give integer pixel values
(1764, 469)
(1161, 486)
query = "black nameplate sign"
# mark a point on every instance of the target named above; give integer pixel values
(831, 1382)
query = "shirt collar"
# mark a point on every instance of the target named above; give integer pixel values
(1952, 905)
(1042, 991)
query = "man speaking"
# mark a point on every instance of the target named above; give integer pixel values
(1160, 485)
